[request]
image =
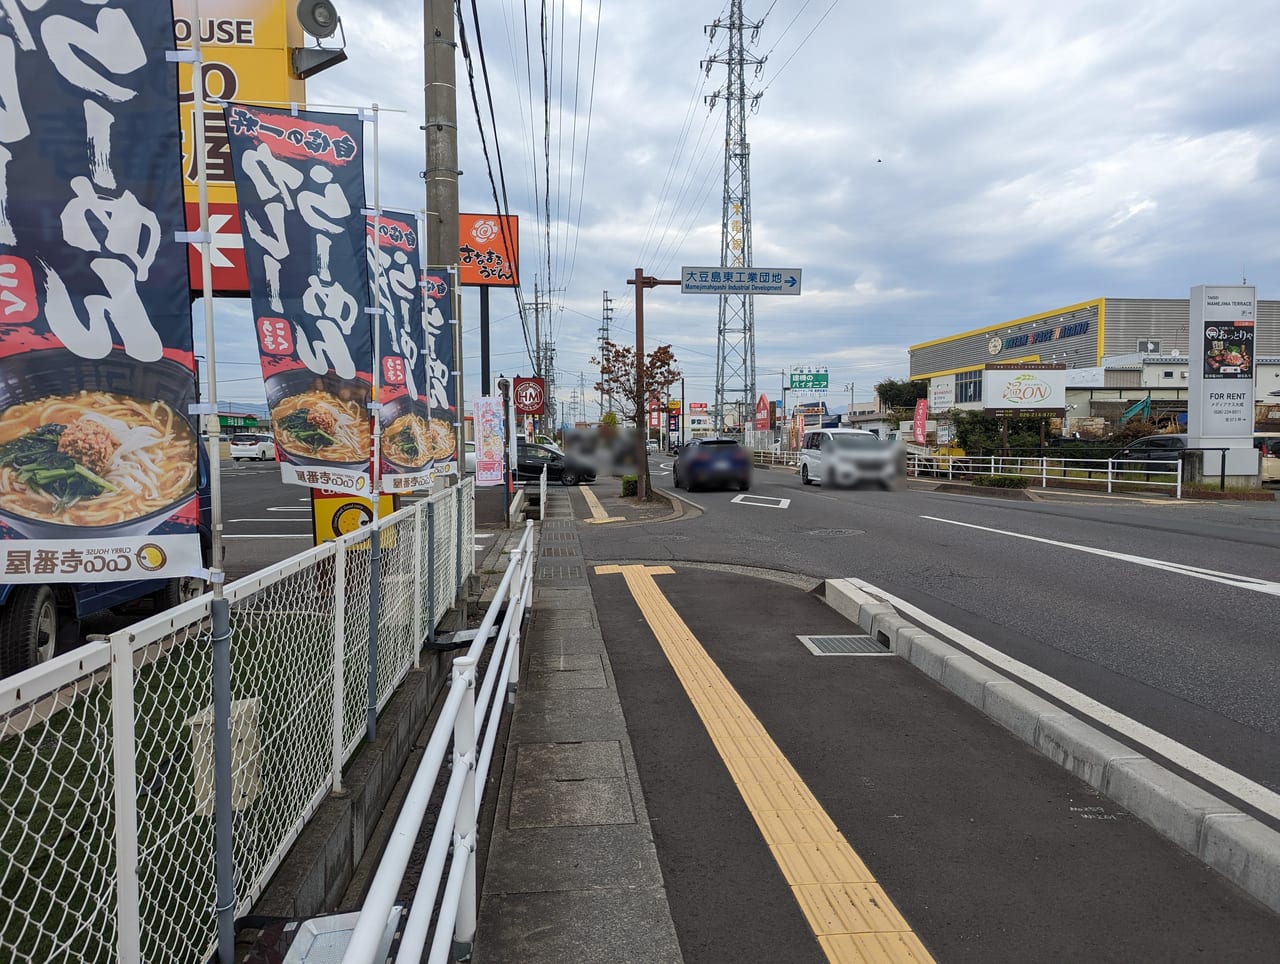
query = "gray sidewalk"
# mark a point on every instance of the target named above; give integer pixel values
(572, 872)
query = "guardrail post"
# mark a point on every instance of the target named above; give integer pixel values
(124, 753)
(1044, 473)
(1178, 483)
(225, 886)
(457, 515)
(417, 588)
(431, 571)
(375, 606)
(339, 658)
(464, 824)
(1110, 465)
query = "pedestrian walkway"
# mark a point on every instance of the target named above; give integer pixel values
(572, 873)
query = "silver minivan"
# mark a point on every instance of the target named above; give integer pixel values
(822, 455)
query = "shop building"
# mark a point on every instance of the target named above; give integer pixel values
(1119, 351)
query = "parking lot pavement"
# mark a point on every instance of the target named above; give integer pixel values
(986, 849)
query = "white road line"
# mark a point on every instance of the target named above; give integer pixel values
(761, 501)
(277, 520)
(288, 508)
(1195, 572)
(1231, 782)
(270, 535)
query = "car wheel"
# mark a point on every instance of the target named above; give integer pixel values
(568, 477)
(28, 629)
(744, 485)
(177, 591)
(675, 478)
(804, 476)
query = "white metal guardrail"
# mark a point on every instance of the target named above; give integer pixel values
(1113, 472)
(106, 772)
(765, 457)
(470, 718)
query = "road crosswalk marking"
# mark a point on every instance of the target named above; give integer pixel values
(850, 914)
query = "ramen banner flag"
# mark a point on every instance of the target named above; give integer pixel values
(412, 434)
(444, 388)
(300, 183)
(98, 454)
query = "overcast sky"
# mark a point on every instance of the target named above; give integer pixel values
(932, 167)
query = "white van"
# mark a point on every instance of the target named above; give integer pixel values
(253, 445)
(847, 456)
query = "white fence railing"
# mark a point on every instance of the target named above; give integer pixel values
(106, 823)
(768, 457)
(1146, 473)
(470, 718)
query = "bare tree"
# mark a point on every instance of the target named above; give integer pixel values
(617, 365)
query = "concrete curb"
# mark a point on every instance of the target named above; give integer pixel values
(1235, 844)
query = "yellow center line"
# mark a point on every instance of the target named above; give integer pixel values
(598, 515)
(850, 914)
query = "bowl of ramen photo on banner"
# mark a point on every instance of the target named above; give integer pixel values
(444, 439)
(320, 419)
(406, 434)
(86, 449)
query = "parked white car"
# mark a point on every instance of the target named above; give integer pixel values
(256, 446)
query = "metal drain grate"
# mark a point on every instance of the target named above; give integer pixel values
(560, 551)
(844, 646)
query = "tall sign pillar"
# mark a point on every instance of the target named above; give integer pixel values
(1220, 381)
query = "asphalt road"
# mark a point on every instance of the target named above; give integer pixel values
(264, 520)
(989, 850)
(1191, 654)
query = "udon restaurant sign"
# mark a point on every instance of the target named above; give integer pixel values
(412, 435)
(98, 463)
(300, 180)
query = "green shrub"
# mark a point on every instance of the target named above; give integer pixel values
(628, 485)
(1003, 481)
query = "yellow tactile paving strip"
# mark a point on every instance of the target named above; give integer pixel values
(598, 513)
(850, 914)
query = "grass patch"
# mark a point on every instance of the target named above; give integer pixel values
(629, 486)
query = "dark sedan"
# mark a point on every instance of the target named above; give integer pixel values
(566, 469)
(720, 462)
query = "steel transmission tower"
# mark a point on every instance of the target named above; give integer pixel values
(736, 341)
(606, 316)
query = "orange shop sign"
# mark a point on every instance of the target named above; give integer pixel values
(489, 250)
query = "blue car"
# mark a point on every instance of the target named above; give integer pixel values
(39, 619)
(707, 462)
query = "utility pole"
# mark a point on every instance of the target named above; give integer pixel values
(441, 175)
(736, 333)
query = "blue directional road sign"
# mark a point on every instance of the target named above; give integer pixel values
(739, 281)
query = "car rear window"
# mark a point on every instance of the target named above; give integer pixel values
(856, 441)
(244, 439)
(718, 441)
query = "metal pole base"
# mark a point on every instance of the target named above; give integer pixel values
(462, 950)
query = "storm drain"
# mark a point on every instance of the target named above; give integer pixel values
(844, 646)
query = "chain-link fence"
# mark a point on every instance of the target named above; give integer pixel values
(106, 753)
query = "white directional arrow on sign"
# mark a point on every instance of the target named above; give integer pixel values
(219, 240)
